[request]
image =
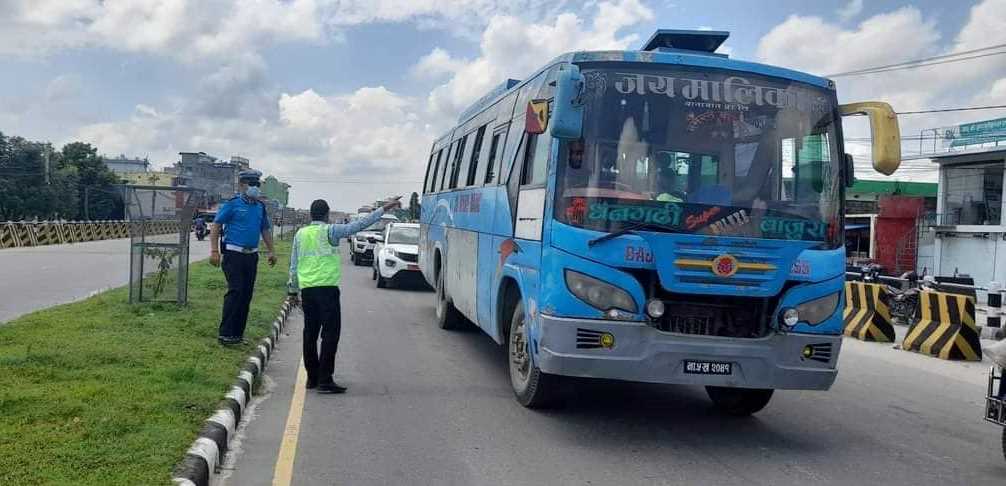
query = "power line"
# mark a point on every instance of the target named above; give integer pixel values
(345, 181)
(910, 64)
(944, 110)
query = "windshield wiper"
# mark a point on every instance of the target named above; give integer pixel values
(631, 229)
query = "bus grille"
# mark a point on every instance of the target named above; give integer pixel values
(720, 316)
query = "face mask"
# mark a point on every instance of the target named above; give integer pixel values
(253, 192)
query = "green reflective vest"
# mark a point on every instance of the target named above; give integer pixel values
(318, 262)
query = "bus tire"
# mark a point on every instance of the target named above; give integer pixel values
(739, 402)
(448, 317)
(532, 387)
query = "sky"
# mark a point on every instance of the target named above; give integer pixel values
(343, 98)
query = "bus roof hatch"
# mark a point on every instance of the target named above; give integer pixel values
(686, 40)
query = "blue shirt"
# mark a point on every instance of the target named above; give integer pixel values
(243, 221)
(335, 233)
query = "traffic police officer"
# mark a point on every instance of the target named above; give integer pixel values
(315, 270)
(241, 220)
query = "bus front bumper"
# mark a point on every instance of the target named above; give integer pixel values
(634, 351)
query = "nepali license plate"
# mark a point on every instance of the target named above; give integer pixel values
(708, 367)
(413, 267)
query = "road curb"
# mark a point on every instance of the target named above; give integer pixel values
(202, 461)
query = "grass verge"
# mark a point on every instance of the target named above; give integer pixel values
(102, 392)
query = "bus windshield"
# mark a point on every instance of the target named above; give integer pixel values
(706, 152)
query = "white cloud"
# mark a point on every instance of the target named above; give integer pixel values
(185, 29)
(63, 87)
(436, 64)
(512, 48)
(815, 45)
(850, 10)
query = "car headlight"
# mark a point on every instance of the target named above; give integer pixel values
(601, 295)
(816, 311)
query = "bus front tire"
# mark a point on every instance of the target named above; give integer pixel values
(448, 316)
(739, 402)
(532, 387)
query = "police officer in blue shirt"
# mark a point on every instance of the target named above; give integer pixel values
(241, 220)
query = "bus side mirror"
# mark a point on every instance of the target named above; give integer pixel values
(850, 170)
(884, 130)
(567, 110)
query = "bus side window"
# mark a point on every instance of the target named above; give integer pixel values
(458, 158)
(436, 170)
(536, 159)
(474, 161)
(444, 172)
(431, 171)
(492, 162)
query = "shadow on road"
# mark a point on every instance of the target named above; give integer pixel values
(611, 414)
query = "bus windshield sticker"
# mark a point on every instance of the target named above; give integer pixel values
(668, 214)
(794, 229)
(693, 221)
(734, 90)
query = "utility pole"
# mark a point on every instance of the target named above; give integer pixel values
(87, 206)
(46, 157)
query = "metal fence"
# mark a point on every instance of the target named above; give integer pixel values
(18, 234)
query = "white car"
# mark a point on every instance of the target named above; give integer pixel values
(363, 243)
(397, 259)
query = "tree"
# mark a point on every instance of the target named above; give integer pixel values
(414, 207)
(96, 196)
(24, 193)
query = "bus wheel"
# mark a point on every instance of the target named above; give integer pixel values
(739, 402)
(532, 387)
(448, 316)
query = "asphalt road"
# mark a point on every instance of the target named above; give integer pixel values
(427, 406)
(39, 277)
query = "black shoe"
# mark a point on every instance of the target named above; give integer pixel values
(331, 387)
(312, 383)
(229, 341)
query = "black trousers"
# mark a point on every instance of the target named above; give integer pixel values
(240, 270)
(322, 313)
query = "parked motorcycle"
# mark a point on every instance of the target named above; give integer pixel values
(905, 299)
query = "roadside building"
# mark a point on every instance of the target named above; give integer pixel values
(154, 178)
(966, 230)
(276, 190)
(123, 165)
(218, 178)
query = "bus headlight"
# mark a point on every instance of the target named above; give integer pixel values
(601, 295)
(816, 311)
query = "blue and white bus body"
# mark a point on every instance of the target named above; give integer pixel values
(489, 245)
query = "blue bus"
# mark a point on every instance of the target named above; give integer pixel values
(667, 215)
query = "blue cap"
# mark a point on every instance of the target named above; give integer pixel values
(249, 175)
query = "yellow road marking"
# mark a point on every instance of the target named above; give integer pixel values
(283, 474)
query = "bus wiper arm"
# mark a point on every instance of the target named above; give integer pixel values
(631, 229)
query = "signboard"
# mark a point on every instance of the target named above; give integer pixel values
(988, 131)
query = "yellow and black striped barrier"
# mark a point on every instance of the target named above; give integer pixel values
(18, 234)
(946, 327)
(866, 315)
